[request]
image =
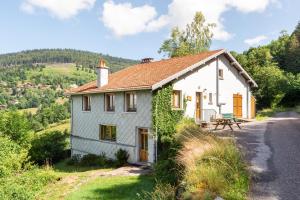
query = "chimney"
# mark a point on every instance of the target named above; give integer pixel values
(102, 73)
(146, 60)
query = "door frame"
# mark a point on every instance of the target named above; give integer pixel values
(200, 94)
(140, 145)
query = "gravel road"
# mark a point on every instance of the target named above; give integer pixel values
(272, 149)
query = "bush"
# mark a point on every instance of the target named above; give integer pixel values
(12, 157)
(26, 185)
(91, 160)
(121, 157)
(49, 146)
(74, 160)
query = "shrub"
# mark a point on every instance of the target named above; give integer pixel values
(12, 157)
(50, 146)
(26, 185)
(121, 157)
(91, 160)
(74, 160)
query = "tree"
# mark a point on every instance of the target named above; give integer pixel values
(194, 39)
(292, 59)
(15, 126)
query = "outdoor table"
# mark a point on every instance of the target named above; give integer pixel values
(227, 122)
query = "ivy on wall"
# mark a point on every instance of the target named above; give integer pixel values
(164, 117)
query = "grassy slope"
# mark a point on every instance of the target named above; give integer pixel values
(80, 183)
(67, 69)
(58, 126)
(122, 188)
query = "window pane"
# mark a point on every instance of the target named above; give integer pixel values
(108, 132)
(130, 102)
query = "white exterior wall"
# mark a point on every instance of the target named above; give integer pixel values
(85, 126)
(205, 80)
(233, 83)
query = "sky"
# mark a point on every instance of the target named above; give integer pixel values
(136, 29)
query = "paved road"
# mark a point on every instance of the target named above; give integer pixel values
(273, 151)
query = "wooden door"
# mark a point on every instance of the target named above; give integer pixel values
(253, 107)
(198, 106)
(143, 135)
(238, 105)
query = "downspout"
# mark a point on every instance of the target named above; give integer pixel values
(247, 101)
(71, 125)
(156, 132)
(217, 84)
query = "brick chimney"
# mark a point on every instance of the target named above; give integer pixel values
(102, 73)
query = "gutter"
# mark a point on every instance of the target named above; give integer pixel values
(217, 84)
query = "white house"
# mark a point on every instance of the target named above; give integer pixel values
(115, 111)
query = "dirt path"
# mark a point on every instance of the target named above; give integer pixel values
(273, 151)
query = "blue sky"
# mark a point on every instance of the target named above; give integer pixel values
(136, 29)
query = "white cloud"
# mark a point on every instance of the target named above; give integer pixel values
(182, 12)
(124, 19)
(62, 9)
(256, 40)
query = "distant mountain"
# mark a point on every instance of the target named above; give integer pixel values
(84, 59)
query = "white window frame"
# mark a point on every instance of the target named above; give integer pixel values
(86, 108)
(180, 99)
(134, 99)
(113, 96)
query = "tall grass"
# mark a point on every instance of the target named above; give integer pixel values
(213, 167)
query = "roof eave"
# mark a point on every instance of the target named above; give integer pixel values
(110, 90)
(242, 69)
(188, 69)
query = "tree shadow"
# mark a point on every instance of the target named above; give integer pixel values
(63, 166)
(123, 191)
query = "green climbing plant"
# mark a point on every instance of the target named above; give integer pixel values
(164, 117)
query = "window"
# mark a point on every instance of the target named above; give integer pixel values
(176, 99)
(221, 74)
(130, 102)
(210, 99)
(86, 103)
(110, 102)
(108, 132)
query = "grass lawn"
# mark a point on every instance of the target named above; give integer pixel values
(70, 178)
(122, 188)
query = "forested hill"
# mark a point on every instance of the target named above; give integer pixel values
(83, 58)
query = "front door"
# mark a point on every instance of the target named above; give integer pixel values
(198, 106)
(237, 105)
(143, 135)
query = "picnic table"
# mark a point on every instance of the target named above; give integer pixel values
(227, 120)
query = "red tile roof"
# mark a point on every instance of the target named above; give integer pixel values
(145, 75)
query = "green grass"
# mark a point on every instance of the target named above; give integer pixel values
(64, 125)
(297, 109)
(70, 177)
(67, 69)
(268, 112)
(63, 167)
(29, 110)
(121, 188)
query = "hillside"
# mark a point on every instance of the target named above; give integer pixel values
(83, 58)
